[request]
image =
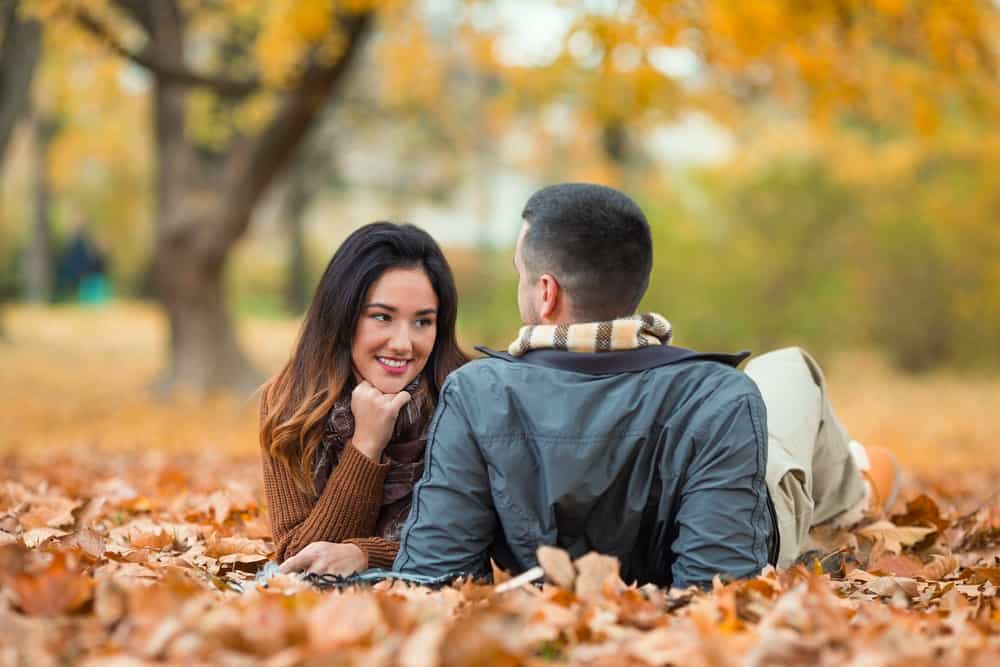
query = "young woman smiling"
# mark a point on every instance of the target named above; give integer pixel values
(342, 424)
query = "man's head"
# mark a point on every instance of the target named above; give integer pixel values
(584, 254)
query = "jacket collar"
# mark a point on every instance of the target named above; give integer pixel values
(610, 363)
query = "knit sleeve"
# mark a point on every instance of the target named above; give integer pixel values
(347, 508)
(380, 552)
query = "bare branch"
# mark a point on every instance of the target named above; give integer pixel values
(179, 75)
(138, 10)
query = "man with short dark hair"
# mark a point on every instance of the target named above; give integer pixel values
(593, 433)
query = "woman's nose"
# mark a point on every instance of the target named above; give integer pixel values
(401, 343)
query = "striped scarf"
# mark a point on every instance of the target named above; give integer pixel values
(626, 333)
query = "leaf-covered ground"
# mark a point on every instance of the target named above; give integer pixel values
(127, 526)
(134, 559)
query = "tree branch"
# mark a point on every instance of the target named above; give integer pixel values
(179, 75)
(253, 165)
(138, 10)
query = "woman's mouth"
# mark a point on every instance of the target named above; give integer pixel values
(392, 365)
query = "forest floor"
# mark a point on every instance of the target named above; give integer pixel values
(127, 525)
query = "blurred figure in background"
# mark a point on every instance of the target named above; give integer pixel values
(81, 273)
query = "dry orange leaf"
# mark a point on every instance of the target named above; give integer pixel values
(58, 589)
(557, 565)
(894, 537)
(154, 538)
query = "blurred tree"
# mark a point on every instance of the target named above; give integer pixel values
(19, 52)
(623, 65)
(39, 266)
(236, 87)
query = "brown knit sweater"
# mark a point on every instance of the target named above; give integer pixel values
(346, 511)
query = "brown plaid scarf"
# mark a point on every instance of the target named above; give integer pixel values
(626, 333)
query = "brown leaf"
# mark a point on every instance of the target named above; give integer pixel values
(939, 567)
(596, 572)
(155, 538)
(981, 575)
(33, 538)
(58, 589)
(889, 586)
(894, 537)
(896, 565)
(50, 512)
(343, 620)
(921, 511)
(235, 546)
(557, 565)
(87, 541)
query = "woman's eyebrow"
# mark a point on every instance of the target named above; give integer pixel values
(393, 309)
(377, 304)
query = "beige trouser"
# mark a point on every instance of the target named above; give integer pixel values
(810, 473)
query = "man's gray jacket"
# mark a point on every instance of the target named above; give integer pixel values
(660, 463)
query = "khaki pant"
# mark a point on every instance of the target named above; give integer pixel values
(810, 473)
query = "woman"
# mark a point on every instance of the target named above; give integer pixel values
(342, 424)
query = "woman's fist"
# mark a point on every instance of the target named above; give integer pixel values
(374, 418)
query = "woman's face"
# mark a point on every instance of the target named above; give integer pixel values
(396, 329)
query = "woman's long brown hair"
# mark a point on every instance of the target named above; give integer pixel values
(296, 402)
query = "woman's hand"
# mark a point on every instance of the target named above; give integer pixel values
(327, 558)
(374, 418)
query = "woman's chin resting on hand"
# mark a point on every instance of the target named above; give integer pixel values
(327, 558)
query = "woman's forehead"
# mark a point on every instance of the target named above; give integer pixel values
(403, 289)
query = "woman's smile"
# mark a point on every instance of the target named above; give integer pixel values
(393, 366)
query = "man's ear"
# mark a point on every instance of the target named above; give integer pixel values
(550, 297)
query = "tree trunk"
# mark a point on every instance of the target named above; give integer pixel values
(38, 264)
(190, 259)
(22, 42)
(203, 352)
(19, 52)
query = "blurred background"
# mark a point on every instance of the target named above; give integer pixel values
(177, 173)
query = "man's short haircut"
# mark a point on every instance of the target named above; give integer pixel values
(595, 241)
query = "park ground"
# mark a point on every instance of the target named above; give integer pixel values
(126, 523)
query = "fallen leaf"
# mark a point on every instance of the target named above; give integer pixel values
(939, 567)
(87, 541)
(896, 565)
(342, 620)
(50, 512)
(921, 511)
(889, 586)
(33, 538)
(155, 538)
(893, 537)
(557, 565)
(58, 589)
(222, 547)
(983, 574)
(596, 572)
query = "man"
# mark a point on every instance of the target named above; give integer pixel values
(593, 433)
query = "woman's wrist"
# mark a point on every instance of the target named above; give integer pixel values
(369, 447)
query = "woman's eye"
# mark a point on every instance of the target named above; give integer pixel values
(425, 322)
(381, 317)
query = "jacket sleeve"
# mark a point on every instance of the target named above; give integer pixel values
(452, 521)
(723, 524)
